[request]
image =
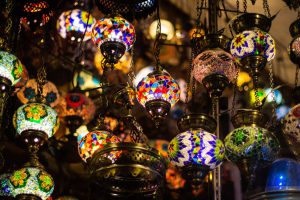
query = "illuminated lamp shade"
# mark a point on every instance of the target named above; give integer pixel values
(261, 95)
(193, 33)
(76, 107)
(113, 37)
(167, 29)
(158, 92)
(277, 93)
(214, 62)
(183, 90)
(242, 79)
(174, 179)
(249, 142)
(29, 91)
(294, 48)
(86, 80)
(36, 117)
(94, 141)
(31, 181)
(161, 146)
(74, 24)
(253, 43)
(196, 147)
(36, 13)
(291, 127)
(282, 111)
(123, 64)
(22, 82)
(283, 175)
(141, 74)
(5, 189)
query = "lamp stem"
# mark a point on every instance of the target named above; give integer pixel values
(217, 171)
(213, 15)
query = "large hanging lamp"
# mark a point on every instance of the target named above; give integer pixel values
(158, 92)
(196, 150)
(250, 145)
(252, 47)
(113, 37)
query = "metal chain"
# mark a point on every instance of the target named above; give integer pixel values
(245, 5)
(266, 8)
(297, 75)
(237, 6)
(199, 14)
(41, 80)
(6, 42)
(156, 47)
(271, 76)
(255, 83)
(131, 75)
(234, 93)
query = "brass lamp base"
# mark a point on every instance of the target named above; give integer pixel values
(27, 197)
(276, 195)
(215, 84)
(196, 121)
(158, 109)
(249, 117)
(253, 64)
(195, 174)
(34, 138)
(112, 51)
(125, 97)
(126, 168)
(249, 21)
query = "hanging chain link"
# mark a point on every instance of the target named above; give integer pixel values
(199, 14)
(271, 76)
(245, 5)
(297, 75)
(156, 47)
(5, 41)
(266, 8)
(256, 95)
(41, 80)
(237, 6)
(131, 75)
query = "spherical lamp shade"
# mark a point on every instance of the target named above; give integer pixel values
(78, 105)
(283, 175)
(214, 62)
(158, 92)
(36, 117)
(36, 13)
(196, 147)
(253, 43)
(294, 50)
(161, 146)
(74, 24)
(29, 92)
(251, 142)
(31, 181)
(113, 36)
(94, 141)
(291, 126)
(5, 189)
(10, 68)
(167, 29)
(141, 74)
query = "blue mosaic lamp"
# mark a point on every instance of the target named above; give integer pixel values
(284, 174)
(5, 189)
(196, 150)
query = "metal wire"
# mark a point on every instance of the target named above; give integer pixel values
(266, 8)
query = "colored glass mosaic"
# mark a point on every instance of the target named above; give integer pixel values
(161, 146)
(5, 189)
(86, 80)
(33, 181)
(174, 179)
(11, 67)
(158, 86)
(295, 47)
(254, 42)
(29, 92)
(214, 62)
(76, 104)
(115, 29)
(94, 141)
(251, 142)
(196, 147)
(36, 116)
(22, 82)
(291, 127)
(77, 21)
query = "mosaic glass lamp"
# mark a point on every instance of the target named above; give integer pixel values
(31, 183)
(250, 145)
(113, 37)
(158, 92)
(161, 146)
(35, 119)
(291, 129)
(196, 150)
(29, 93)
(76, 109)
(294, 49)
(283, 175)
(72, 24)
(94, 141)
(5, 189)
(36, 13)
(252, 47)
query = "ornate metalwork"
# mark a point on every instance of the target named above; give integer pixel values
(127, 168)
(195, 121)
(249, 117)
(215, 84)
